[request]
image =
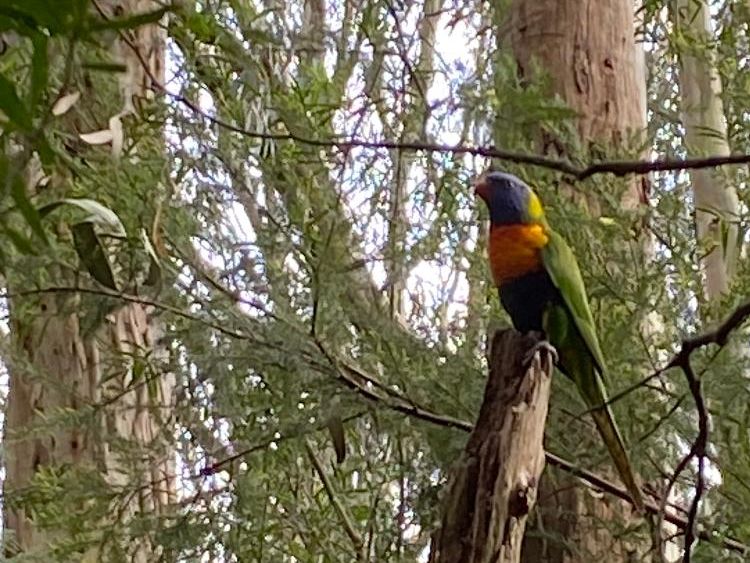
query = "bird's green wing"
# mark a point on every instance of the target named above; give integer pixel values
(571, 330)
(562, 267)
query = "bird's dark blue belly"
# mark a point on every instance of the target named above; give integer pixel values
(525, 299)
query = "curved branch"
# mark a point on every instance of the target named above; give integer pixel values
(345, 144)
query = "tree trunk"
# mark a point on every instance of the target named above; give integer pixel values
(587, 49)
(61, 370)
(717, 211)
(716, 203)
(494, 485)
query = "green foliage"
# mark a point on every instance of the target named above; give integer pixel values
(300, 280)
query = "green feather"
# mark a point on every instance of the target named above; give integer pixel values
(570, 329)
(562, 267)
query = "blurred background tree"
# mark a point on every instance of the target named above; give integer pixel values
(234, 233)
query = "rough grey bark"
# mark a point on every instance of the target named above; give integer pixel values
(59, 366)
(494, 485)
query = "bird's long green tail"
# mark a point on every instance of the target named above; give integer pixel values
(605, 423)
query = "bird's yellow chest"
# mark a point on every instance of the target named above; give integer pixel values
(514, 250)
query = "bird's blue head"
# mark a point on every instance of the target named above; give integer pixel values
(508, 198)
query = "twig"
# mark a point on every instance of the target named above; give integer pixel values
(345, 144)
(274, 437)
(717, 336)
(354, 378)
(351, 531)
(134, 299)
(592, 479)
(365, 385)
(682, 522)
(697, 450)
(577, 173)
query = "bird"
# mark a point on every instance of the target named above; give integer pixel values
(542, 290)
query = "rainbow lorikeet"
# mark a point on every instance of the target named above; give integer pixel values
(542, 290)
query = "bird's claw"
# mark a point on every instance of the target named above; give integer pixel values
(540, 346)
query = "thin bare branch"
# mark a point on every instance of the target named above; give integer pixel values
(369, 387)
(345, 144)
(697, 450)
(346, 520)
(718, 336)
(576, 173)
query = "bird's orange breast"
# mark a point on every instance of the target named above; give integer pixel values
(514, 250)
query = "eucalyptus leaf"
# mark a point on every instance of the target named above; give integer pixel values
(92, 254)
(106, 220)
(65, 103)
(154, 266)
(23, 203)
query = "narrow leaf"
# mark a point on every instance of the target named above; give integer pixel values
(130, 22)
(154, 267)
(39, 70)
(65, 103)
(20, 241)
(92, 254)
(12, 106)
(115, 126)
(45, 210)
(105, 67)
(27, 210)
(97, 137)
(99, 214)
(55, 15)
(336, 429)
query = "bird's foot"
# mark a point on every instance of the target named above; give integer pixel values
(544, 346)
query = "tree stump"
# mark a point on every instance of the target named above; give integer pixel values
(494, 485)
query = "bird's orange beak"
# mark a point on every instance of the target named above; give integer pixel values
(481, 188)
